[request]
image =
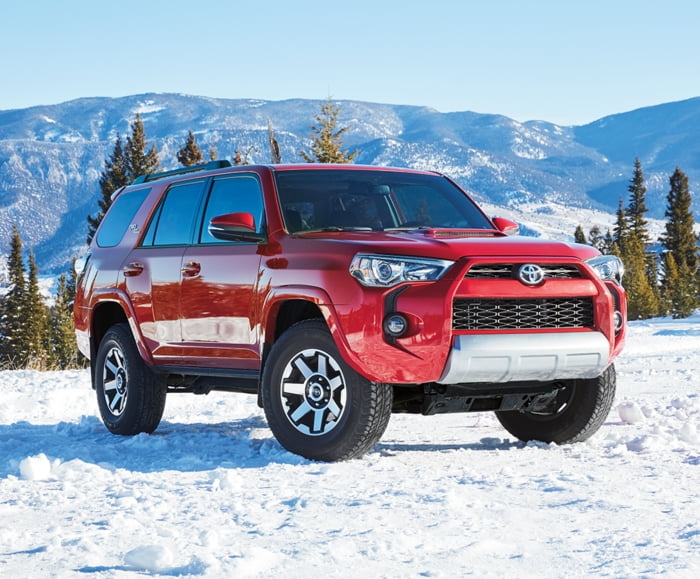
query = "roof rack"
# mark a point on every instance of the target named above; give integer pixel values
(219, 164)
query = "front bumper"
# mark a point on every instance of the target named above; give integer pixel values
(498, 358)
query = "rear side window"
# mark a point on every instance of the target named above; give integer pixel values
(119, 217)
(173, 221)
(233, 195)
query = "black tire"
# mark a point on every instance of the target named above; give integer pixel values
(131, 397)
(577, 412)
(315, 404)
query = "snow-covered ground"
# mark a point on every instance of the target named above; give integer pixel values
(212, 494)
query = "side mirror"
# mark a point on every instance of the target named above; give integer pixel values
(506, 225)
(235, 227)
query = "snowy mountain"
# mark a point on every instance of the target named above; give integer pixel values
(548, 177)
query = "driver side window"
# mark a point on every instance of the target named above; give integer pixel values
(232, 195)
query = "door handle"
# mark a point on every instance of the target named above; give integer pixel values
(191, 269)
(133, 269)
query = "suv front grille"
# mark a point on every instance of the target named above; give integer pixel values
(522, 314)
(510, 270)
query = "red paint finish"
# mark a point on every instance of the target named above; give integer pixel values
(202, 303)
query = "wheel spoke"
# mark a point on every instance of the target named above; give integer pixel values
(115, 404)
(111, 385)
(302, 410)
(300, 365)
(335, 383)
(111, 366)
(294, 388)
(334, 409)
(318, 421)
(322, 365)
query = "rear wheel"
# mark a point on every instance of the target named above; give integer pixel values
(131, 397)
(315, 404)
(576, 412)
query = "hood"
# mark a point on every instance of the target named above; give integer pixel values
(452, 245)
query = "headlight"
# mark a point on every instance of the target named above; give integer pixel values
(390, 270)
(608, 268)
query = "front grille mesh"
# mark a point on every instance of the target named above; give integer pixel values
(509, 271)
(522, 314)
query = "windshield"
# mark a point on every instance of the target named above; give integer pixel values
(327, 200)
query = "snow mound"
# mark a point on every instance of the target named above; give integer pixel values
(150, 558)
(630, 413)
(35, 468)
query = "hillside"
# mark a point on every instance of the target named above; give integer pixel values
(548, 177)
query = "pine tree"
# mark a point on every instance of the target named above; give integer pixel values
(36, 322)
(630, 242)
(595, 239)
(679, 237)
(138, 160)
(642, 300)
(13, 339)
(680, 286)
(326, 138)
(637, 207)
(619, 235)
(579, 235)
(608, 241)
(679, 290)
(242, 158)
(114, 176)
(190, 153)
(64, 349)
(275, 156)
(121, 168)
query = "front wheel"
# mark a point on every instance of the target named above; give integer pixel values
(576, 412)
(131, 397)
(315, 404)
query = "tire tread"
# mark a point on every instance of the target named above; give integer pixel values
(146, 389)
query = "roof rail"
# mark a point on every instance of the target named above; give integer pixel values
(219, 164)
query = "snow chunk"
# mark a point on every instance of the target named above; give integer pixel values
(149, 558)
(35, 468)
(630, 413)
(688, 433)
(158, 560)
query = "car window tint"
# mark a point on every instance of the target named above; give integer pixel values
(120, 216)
(233, 195)
(331, 198)
(172, 223)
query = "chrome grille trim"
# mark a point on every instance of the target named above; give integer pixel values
(522, 314)
(509, 271)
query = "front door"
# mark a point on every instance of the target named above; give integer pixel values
(218, 289)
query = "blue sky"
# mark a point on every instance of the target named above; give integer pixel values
(568, 62)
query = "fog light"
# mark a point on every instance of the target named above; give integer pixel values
(395, 325)
(618, 320)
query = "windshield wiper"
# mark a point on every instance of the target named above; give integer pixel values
(336, 228)
(412, 228)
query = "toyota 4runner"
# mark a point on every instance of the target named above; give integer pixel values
(339, 294)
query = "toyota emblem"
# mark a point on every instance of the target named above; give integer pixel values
(531, 274)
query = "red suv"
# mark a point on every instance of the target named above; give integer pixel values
(339, 294)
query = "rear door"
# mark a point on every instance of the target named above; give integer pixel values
(154, 269)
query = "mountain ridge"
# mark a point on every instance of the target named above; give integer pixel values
(51, 156)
